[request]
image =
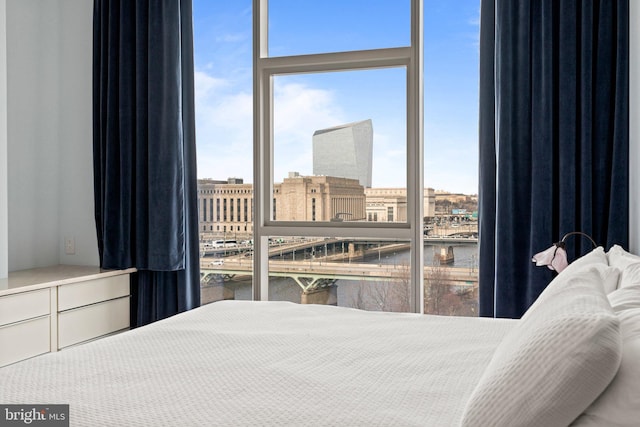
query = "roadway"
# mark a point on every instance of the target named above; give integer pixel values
(302, 245)
(458, 276)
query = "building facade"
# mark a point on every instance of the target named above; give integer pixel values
(225, 208)
(390, 204)
(319, 198)
(345, 151)
(386, 204)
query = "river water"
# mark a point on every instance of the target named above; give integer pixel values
(286, 289)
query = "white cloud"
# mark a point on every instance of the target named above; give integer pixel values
(225, 134)
(223, 127)
(231, 38)
(300, 110)
(206, 85)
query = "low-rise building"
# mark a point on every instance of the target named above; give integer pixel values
(225, 208)
(390, 204)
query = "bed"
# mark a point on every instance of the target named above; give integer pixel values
(238, 363)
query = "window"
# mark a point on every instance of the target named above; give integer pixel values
(343, 198)
(323, 78)
(451, 153)
(340, 154)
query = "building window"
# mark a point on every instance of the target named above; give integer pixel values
(313, 209)
(231, 210)
(390, 214)
(224, 211)
(239, 213)
(204, 210)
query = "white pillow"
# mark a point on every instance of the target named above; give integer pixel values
(554, 363)
(620, 258)
(625, 298)
(596, 256)
(630, 275)
(619, 404)
(609, 277)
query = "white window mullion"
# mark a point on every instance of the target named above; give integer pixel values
(367, 59)
(415, 155)
(260, 242)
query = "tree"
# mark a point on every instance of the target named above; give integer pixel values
(442, 297)
(436, 287)
(393, 294)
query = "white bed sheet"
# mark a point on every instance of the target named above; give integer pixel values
(267, 363)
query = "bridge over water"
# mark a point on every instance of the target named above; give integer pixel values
(310, 275)
(337, 249)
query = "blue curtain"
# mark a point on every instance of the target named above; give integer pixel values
(145, 179)
(554, 104)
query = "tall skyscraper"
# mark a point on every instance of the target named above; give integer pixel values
(345, 151)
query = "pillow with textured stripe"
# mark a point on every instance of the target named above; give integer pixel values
(619, 404)
(630, 275)
(554, 363)
(625, 298)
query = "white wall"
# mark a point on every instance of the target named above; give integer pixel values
(75, 180)
(50, 174)
(32, 70)
(634, 122)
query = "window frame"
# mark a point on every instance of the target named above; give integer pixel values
(264, 68)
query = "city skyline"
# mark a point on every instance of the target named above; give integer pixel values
(306, 103)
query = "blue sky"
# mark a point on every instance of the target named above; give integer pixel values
(222, 32)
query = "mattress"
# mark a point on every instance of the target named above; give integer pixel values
(238, 363)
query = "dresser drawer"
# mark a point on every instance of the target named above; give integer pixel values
(23, 306)
(92, 291)
(22, 340)
(86, 323)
